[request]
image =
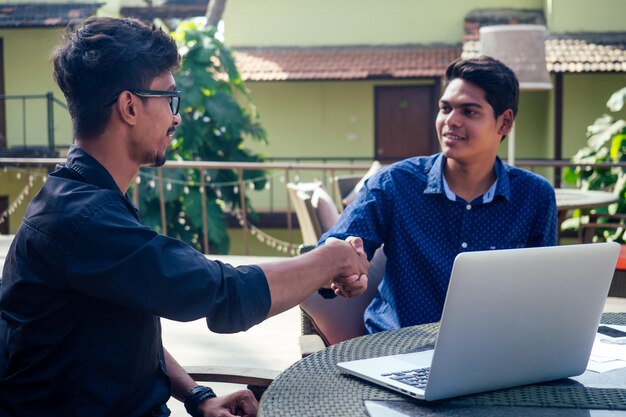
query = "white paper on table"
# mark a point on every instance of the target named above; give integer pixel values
(608, 353)
(605, 366)
(599, 359)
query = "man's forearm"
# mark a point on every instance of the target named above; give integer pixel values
(293, 280)
(180, 380)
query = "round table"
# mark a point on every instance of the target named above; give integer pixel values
(315, 387)
(567, 198)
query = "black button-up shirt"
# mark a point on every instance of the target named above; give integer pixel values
(84, 285)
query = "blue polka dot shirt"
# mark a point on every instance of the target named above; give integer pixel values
(405, 207)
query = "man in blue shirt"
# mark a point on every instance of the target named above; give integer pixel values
(426, 210)
(85, 283)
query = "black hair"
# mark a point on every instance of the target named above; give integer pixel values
(103, 56)
(497, 80)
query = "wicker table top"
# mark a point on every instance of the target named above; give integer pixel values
(315, 387)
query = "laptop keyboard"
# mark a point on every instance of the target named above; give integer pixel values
(415, 377)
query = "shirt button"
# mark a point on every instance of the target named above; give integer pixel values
(464, 245)
(468, 207)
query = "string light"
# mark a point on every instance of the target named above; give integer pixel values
(21, 197)
(260, 235)
(191, 183)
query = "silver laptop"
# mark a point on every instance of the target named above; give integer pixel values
(511, 317)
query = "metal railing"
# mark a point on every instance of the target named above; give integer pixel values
(289, 172)
(49, 101)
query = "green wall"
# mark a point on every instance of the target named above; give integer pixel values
(531, 137)
(350, 22)
(315, 118)
(28, 70)
(584, 100)
(318, 119)
(586, 15)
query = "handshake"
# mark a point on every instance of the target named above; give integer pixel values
(349, 257)
(340, 265)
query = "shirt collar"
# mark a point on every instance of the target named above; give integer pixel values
(436, 181)
(90, 169)
(502, 174)
(94, 173)
(486, 198)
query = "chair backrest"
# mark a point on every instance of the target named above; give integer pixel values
(315, 210)
(339, 318)
(310, 227)
(344, 185)
(316, 213)
(352, 194)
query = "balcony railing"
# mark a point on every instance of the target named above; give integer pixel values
(275, 200)
(23, 134)
(278, 175)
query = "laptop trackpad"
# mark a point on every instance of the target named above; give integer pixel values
(385, 364)
(416, 360)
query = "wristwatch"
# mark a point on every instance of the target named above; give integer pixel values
(195, 396)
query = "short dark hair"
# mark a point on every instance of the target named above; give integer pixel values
(497, 80)
(102, 57)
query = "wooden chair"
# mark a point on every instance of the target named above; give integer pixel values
(349, 186)
(257, 380)
(615, 222)
(344, 185)
(320, 326)
(300, 197)
(315, 209)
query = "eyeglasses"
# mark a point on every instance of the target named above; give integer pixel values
(174, 97)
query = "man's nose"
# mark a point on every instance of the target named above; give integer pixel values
(453, 118)
(177, 119)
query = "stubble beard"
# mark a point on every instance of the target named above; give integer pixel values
(159, 159)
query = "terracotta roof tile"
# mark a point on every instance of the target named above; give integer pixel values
(569, 52)
(578, 52)
(597, 52)
(344, 63)
(25, 15)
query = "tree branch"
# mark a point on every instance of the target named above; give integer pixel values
(215, 11)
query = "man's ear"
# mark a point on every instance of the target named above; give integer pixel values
(506, 122)
(126, 107)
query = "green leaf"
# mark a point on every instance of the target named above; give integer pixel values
(570, 175)
(616, 101)
(606, 143)
(617, 145)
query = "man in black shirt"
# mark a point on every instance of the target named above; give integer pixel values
(85, 283)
